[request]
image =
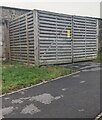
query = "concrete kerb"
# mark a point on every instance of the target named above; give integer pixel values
(40, 84)
(99, 116)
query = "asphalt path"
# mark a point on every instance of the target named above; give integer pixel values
(75, 96)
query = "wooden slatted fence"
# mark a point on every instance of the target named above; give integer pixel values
(42, 37)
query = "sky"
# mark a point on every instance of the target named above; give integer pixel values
(86, 8)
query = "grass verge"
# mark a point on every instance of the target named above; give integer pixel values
(16, 76)
(99, 58)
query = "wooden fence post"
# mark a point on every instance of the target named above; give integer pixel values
(27, 42)
(36, 38)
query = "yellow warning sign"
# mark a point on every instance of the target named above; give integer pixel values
(68, 33)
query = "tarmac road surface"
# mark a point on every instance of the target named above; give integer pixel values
(75, 96)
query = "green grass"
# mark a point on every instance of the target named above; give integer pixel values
(99, 58)
(16, 76)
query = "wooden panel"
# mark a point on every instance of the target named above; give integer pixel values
(54, 44)
(85, 38)
(22, 38)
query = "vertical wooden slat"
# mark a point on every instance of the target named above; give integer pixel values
(85, 38)
(72, 39)
(27, 42)
(8, 39)
(36, 36)
(97, 41)
(56, 42)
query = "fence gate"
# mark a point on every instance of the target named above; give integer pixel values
(65, 38)
(55, 38)
(84, 38)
